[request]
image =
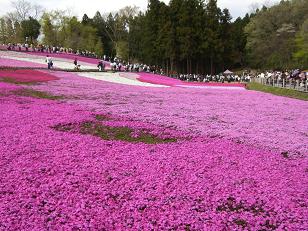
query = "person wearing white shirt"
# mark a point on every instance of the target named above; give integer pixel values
(49, 62)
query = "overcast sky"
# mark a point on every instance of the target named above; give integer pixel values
(79, 7)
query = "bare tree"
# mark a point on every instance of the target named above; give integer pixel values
(270, 3)
(12, 16)
(129, 12)
(24, 9)
(120, 22)
(257, 6)
(37, 11)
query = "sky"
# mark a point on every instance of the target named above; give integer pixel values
(79, 7)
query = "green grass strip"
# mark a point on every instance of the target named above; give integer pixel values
(278, 91)
(37, 94)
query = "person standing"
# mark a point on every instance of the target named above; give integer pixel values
(100, 66)
(49, 62)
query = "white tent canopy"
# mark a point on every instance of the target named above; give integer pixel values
(227, 72)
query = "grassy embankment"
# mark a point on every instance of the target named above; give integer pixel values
(278, 91)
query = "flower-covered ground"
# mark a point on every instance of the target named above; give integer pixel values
(156, 79)
(25, 76)
(79, 153)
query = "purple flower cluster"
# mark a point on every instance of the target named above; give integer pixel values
(157, 79)
(26, 76)
(257, 119)
(227, 174)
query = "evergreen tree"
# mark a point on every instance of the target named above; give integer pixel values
(226, 37)
(212, 41)
(30, 29)
(85, 20)
(100, 25)
(151, 29)
(239, 38)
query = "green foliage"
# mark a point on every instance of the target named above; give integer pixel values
(36, 94)
(212, 40)
(184, 36)
(188, 36)
(13, 81)
(301, 54)
(239, 39)
(150, 31)
(105, 132)
(30, 28)
(49, 30)
(272, 34)
(17, 38)
(86, 20)
(59, 29)
(3, 36)
(10, 31)
(122, 49)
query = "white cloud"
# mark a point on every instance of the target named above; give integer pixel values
(241, 7)
(236, 7)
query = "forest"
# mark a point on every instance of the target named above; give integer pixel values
(184, 36)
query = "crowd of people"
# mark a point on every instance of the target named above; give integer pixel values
(245, 77)
(288, 78)
(117, 64)
(283, 75)
(49, 49)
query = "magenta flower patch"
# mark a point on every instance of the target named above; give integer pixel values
(239, 161)
(157, 79)
(26, 76)
(17, 63)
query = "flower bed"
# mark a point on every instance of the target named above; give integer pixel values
(158, 79)
(117, 157)
(61, 180)
(26, 76)
(254, 118)
(18, 63)
(6, 87)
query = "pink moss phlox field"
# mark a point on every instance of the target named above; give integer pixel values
(5, 87)
(158, 79)
(257, 119)
(27, 76)
(230, 174)
(17, 63)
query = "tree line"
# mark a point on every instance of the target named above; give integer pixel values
(184, 36)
